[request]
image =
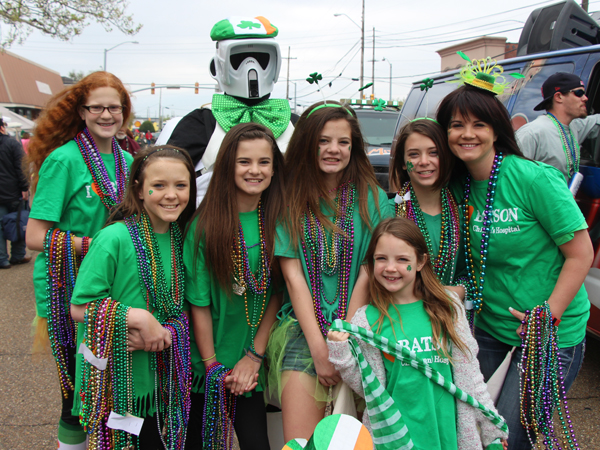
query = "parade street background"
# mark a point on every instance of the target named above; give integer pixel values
(29, 394)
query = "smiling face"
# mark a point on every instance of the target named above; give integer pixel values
(471, 140)
(395, 267)
(335, 145)
(421, 160)
(102, 126)
(165, 191)
(253, 171)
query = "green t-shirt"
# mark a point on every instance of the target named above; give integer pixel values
(110, 270)
(434, 228)
(64, 195)
(534, 213)
(429, 411)
(231, 332)
(362, 238)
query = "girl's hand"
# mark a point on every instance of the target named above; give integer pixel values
(156, 337)
(245, 374)
(326, 371)
(134, 340)
(337, 336)
(519, 315)
(505, 444)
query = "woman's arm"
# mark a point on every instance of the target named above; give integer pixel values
(246, 370)
(303, 308)
(579, 254)
(203, 330)
(36, 234)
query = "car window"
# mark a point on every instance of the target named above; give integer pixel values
(377, 128)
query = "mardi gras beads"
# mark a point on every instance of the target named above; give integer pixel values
(103, 391)
(173, 384)
(478, 283)
(93, 160)
(166, 301)
(542, 389)
(61, 272)
(328, 259)
(443, 264)
(219, 409)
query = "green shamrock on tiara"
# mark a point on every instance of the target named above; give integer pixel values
(248, 24)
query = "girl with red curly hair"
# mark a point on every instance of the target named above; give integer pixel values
(79, 176)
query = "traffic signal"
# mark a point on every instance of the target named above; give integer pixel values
(152, 90)
(196, 87)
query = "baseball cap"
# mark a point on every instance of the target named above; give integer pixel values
(559, 82)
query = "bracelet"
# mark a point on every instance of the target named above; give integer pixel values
(555, 320)
(252, 357)
(255, 353)
(208, 359)
(85, 246)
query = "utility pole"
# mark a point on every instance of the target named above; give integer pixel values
(287, 87)
(584, 5)
(389, 62)
(373, 73)
(362, 50)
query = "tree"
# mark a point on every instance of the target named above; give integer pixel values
(76, 76)
(62, 19)
(147, 126)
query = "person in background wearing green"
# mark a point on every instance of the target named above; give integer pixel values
(79, 175)
(231, 284)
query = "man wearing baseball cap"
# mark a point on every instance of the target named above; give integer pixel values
(554, 138)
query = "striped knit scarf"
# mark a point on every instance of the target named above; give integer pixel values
(389, 430)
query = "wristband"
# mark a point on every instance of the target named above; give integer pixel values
(208, 359)
(85, 246)
(555, 321)
(255, 353)
(252, 357)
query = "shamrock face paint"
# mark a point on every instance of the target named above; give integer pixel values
(409, 268)
(150, 192)
(409, 167)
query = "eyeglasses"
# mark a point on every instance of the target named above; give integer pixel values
(99, 109)
(578, 92)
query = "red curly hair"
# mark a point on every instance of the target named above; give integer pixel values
(60, 121)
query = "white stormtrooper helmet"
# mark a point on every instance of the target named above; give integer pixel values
(248, 60)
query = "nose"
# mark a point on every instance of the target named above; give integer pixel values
(171, 192)
(424, 159)
(106, 114)
(254, 168)
(467, 132)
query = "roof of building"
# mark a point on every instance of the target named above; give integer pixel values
(24, 82)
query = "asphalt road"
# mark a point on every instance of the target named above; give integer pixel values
(30, 396)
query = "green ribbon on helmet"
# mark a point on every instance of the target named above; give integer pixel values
(274, 114)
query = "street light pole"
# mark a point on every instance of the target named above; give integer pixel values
(112, 48)
(362, 44)
(388, 61)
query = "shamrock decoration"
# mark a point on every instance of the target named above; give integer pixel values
(463, 56)
(409, 268)
(365, 87)
(314, 77)
(379, 104)
(409, 167)
(248, 24)
(427, 84)
(150, 192)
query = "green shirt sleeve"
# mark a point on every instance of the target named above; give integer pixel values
(553, 205)
(97, 271)
(283, 244)
(197, 275)
(50, 199)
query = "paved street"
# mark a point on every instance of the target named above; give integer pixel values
(30, 398)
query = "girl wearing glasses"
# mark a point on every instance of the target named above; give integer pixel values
(79, 176)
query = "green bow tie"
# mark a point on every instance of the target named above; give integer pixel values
(272, 113)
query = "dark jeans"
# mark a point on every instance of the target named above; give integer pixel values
(17, 249)
(491, 354)
(250, 422)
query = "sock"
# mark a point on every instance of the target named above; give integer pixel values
(71, 437)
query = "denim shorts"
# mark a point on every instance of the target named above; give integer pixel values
(297, 355)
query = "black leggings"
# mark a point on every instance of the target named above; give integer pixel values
(250, 422)
(66, 414)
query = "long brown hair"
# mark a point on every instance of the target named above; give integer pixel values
(440, 309)
(433, 131)
(132, 204)
(305, 183)
(218, 217)
(60, 121)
